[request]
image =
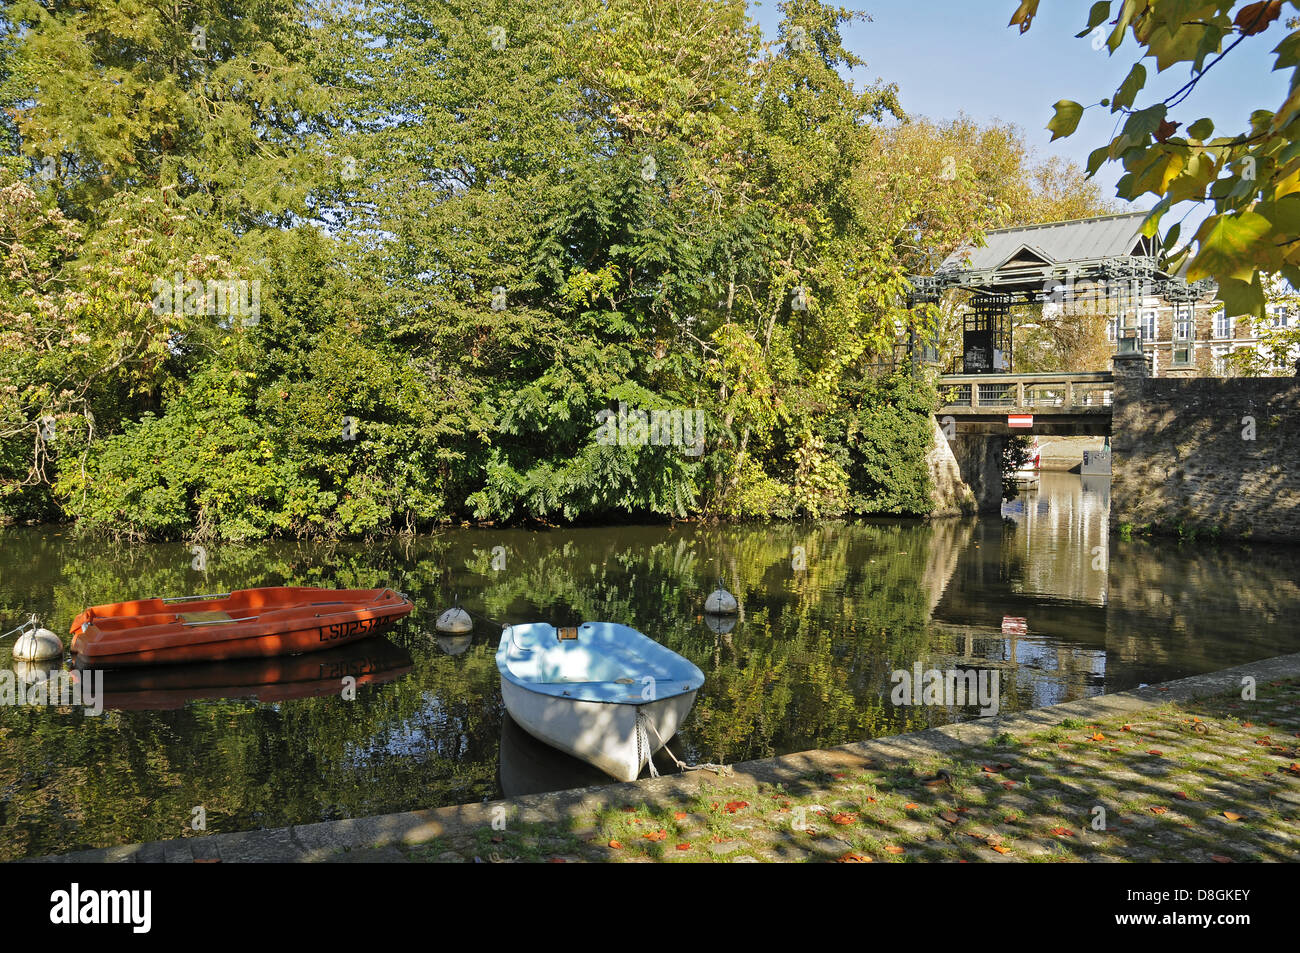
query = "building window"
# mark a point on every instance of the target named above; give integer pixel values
(1219, 360)
(1147, 324)
(1222, 323)
(1183, 324)
(1112, 329)
(1279, 316)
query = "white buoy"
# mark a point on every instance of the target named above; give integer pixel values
(38, 646)
(32, 672)
(720, 602)
(721, 624)
(455, 621)
(455, 644)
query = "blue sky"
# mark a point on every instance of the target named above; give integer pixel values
(952, 56)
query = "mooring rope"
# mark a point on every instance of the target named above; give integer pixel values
(30, 625)
(644, 721)
(455, 604)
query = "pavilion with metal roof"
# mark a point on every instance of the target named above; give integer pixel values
(1039, 263)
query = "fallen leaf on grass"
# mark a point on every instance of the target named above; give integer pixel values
(910, 806)
(1232, 815)
(734, 806)
(1062, 832)
(1155, 752)
(1000, 849)
(656, 835)
(1008, 784)
(852, 858)
(1159, 810)
(1220, 859)
(1182, 795)
(616, 845)
(1097, 737)
(685, 845)
(680, 816)
(949, 816)
(844, 818)
(894, 849)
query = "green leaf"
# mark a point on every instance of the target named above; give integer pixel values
(1066, 119)
(1098, 15)
(1145, 122)
(1227, 247)
(1171, 237)
(1288, 52)
(1240, 297)
(1201, 129)
(1128, 89)
(1097, 158)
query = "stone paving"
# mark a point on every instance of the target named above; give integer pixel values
(1216, 780)
(1184, 771)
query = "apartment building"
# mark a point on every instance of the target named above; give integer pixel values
(1194, 339)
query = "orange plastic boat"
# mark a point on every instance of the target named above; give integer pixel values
(250, 623)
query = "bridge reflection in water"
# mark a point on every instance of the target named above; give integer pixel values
(1064, 610)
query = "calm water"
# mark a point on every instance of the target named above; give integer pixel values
(1044, 596)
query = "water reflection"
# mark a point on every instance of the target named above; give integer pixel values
(1045, 597)
(331, 672)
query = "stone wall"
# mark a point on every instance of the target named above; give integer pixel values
(979, 461)
(951, 494)
(1213, 455)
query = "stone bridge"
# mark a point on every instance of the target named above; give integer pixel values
(1200, 455)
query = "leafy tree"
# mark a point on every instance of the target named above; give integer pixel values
(1248, 178)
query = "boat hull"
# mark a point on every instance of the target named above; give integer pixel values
(251, 623)
(601, 692)
(603, 734)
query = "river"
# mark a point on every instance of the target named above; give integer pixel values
(1045, 597)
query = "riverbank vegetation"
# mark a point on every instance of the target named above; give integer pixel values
(316, 270)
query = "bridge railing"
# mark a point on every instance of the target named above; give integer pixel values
(1093, 391)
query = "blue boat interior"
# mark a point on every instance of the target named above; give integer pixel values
(596, 661)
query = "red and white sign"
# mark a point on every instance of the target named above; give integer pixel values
(1014, 625)
(1020, 420)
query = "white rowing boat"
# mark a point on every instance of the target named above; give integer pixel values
(599, 691)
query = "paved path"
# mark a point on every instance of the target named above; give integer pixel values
(1188, 771)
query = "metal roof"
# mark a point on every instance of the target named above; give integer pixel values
(1085, 239)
